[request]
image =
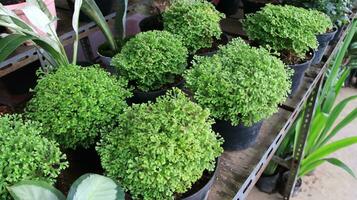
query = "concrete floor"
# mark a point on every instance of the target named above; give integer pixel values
(329, 182)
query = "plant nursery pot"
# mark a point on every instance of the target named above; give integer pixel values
(16, 8)
(338, 34)
(200, 189)
(268, 183)
(151, 23)
(299, 71)
(228, 7)
(105, 6)
(323, 40)
(144, 97)
(283, 182)
(237, 137)
(250, 6)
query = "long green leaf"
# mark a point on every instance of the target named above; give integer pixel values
(344, 122)
(95, 187)
(35, 190)
(317, 125)
(305, 169)
(120, 19)
(345, 73)
(340, 164)
(90, 8)
(10, 43)
(328, 149)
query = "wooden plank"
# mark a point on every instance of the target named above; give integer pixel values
(236, 166)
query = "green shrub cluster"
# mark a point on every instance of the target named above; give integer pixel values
(25, 154)
(241, 84)
(152, 59)
(287, 28)
(75, 104)
(196, 22)
(160, 149)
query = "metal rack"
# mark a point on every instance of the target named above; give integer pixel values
(239, 170)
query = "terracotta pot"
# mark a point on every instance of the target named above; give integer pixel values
(17, 8)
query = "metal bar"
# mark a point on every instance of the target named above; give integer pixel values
(301, 141)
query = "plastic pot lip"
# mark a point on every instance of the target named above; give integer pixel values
(327, 36)
(216, 120)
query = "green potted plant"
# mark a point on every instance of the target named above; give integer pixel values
(88, 186)
(241, 86)
(152, 62)
(75, 104)
(25, 154)
(159, 150)
(294, 37)
(195, 22)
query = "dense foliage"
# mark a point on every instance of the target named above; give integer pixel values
(241, 84)
(151, 59)
(25, 154)
(287, 28)
(74, 104)
(337, 10)
(196, 22)
(160, 149)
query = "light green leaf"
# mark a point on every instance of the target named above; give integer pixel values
(75, 24)
(10, 43)
(95, 187)
(35, 190)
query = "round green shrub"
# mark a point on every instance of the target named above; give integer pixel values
(287, 28)
(196, 22)
(160, 149)
(75, 104)
(241, 84)
(25, 154)
(151, 60)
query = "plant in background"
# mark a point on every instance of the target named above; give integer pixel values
(25, 154)
(337, 10)
(195, 22)
(38, 15)
(287, 29)
(160, 149)
(75, 104)
(324, 125)
(88, 186)
(241, 84)
(152, 60)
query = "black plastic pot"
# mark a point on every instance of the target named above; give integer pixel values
(228, 7)
(251, 6)
(338, 34)
(144, 97)
(237, 137)
(324, 40)
(283, 182)
(299, 71)
(105, 7)
(268, 183)
(151, 23)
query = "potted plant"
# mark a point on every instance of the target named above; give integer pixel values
(294, 37)
(159, 150)
(88, 186)
(241, 85)
(152, 62)
(155, 9)
(195, 22)
(20, 7)
(25, 154)
(75, 104)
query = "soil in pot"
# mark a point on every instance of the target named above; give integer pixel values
(144, 97)
(323, 40)
(151, 23)
(237, 137)
(81, 161)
